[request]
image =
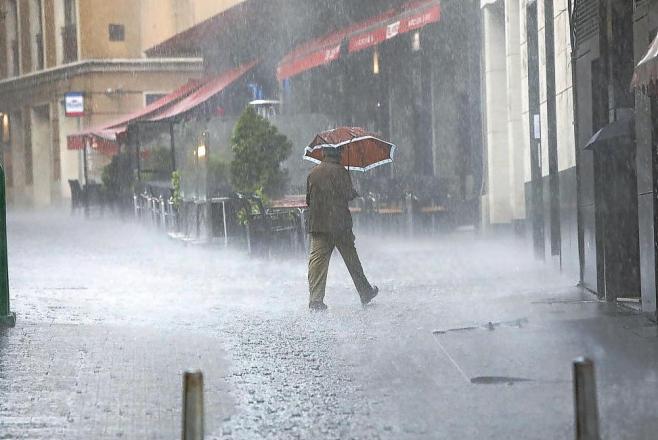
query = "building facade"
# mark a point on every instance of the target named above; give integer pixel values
(589, 209)
(529, 126)
(52, 47)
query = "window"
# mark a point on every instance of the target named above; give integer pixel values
(150, 98)
(70, 13)
(11, 24)
(117, 32)
(70, 32)
(36, 32)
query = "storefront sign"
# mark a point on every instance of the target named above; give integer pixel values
(308, 61)
(74, 104)
(415, 20)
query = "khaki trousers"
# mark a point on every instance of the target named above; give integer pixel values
(322, 246)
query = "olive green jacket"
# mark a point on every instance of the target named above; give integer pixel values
(328, 191)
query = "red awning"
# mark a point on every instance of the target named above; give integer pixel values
(105, 135)
(203, 94)
(646, 72)
(362, 35)
(413, 16)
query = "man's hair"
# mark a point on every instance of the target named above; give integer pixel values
(331, 152)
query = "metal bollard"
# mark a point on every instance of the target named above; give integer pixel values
(192, 405)
(409, 208)
(587, 412)
(7, 318)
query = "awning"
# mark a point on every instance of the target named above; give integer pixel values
(104, 137)
(362, 35)
(204, 93)
(195, 93)
(646, 72)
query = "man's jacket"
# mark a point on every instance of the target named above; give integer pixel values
(328, 191)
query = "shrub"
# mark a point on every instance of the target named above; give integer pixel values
(258, 149)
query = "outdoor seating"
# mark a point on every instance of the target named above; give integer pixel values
(77, 195)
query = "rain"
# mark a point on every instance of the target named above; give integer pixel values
(349, 219)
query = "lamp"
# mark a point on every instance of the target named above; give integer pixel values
(375, 62)
(201, 151)
(415, 41)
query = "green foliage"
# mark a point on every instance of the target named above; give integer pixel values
(177, 198)
(157, 163)
(110, 176)
(258, 150)
(219, 179)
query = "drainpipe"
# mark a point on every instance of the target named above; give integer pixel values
(7, 319)
(573, 8)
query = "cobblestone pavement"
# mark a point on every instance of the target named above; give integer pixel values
(469, 338)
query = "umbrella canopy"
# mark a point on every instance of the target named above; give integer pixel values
(622, 130)
(360, 150)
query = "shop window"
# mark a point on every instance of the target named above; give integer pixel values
(117, 32)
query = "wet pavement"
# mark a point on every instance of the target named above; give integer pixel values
(469, 338)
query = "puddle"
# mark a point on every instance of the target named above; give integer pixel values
(566, 301)
(498, 380)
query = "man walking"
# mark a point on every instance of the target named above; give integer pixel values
(328, 191)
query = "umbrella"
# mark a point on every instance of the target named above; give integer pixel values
(360, 150)
(618, 131)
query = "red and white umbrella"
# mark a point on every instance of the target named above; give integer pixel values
(360, 150)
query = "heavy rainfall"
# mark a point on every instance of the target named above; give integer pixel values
(177, 174)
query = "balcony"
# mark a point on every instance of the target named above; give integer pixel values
(70, 43)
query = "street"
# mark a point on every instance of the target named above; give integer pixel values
(469, 338)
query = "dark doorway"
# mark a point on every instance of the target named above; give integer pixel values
(615, 172)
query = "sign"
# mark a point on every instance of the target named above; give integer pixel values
(308, 61)
(536, 127)
(403, 23)
(74, 104)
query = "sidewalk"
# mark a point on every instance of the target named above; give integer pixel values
(469, 338)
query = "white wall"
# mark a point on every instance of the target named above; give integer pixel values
(41, 156)
(507, 116)
(69, 159)
(498, 204)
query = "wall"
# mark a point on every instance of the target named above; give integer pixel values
(52, 164)
(498, 188)
(162, 19)
(95, 18)
(646, 113)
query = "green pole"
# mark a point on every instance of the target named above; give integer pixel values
(7, 318)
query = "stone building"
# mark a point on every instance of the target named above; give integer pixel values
(52, 47)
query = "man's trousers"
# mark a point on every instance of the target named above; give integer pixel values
(322, 245)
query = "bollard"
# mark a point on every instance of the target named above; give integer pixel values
(7, 318)
(584, 387)
(192, 405)
(409, 208)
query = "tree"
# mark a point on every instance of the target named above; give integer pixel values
(258, 150)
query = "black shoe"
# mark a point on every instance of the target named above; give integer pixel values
(317, 306)
(365, 299)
